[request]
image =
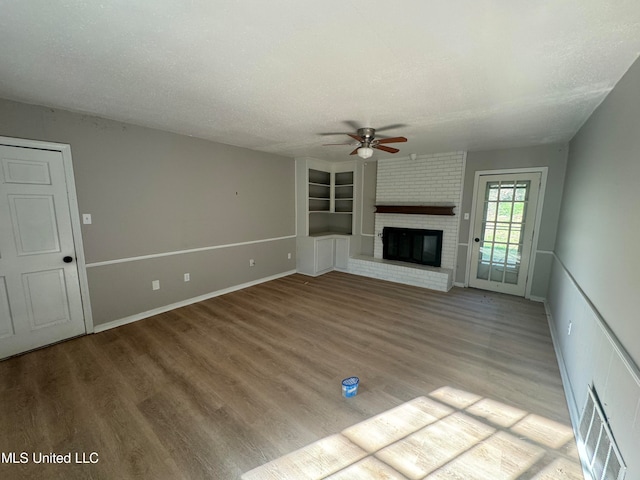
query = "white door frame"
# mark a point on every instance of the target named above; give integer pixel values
(534, 244)
(65, 151)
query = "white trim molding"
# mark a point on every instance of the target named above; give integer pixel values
(181, 252)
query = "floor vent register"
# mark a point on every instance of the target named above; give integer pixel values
(600, 451)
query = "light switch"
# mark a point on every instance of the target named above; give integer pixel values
(466, 216)
(155, 285)
(86, 218)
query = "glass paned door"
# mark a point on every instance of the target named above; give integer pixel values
(503, 232)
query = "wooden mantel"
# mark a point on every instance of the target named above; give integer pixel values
(416, 209)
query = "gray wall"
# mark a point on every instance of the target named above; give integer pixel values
(594, 319)
(599, 229)
(552, 156)
(153, 192)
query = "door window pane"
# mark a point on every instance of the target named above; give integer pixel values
(497, 272)
(506, 193)
(501, 249)
(499, 253)
(483, 271)
(513, 257)
(515, 233)
(521, 191)
(489, 232)
(502, 233)
(491, 209)
(518, 212)
(492, 191)
(511, 276)
(504, 211)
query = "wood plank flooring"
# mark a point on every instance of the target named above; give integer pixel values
(219, 388)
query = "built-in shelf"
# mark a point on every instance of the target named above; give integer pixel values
(329, 197)
(344, 179)
(417, 209)
(319, 191)
(319, 177)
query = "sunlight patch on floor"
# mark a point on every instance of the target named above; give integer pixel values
(370, 467)
(450, 434)
(321, 458)
(502, 456)
(496, 412)
(392, 425)
(544, 431)
(435, 445)
(455, 397)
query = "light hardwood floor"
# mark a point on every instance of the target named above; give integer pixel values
(219, 388)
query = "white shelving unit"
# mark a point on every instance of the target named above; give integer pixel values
(325, 217)
(343, 192)
(319, 191)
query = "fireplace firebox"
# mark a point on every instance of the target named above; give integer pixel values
(412, 245)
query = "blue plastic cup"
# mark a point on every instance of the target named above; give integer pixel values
(350, 387)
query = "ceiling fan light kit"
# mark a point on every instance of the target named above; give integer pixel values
(367, 142)
(365, 152)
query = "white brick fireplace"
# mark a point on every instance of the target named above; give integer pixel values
(433, 180)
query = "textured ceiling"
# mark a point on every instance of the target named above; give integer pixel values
(274, 76)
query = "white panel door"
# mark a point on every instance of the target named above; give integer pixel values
(504, 215)
(40, 299)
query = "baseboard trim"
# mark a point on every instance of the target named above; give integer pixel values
(564, 374)
(574, 414)
(534, 298)
(459, 284)
(166, 308)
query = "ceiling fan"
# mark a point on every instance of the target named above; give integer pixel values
(367, 142)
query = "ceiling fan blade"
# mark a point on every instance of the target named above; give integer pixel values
(392, 140)
(356, 137)
(391, 127)
(355, 151)
(327, 144)
(352, 123)
(386, 149)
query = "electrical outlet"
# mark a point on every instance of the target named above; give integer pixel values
(288, 256)
(466, 216)
(569, 329)
(187, 277)
(252, 262)
(155, 285)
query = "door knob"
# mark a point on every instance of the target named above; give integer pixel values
(67, 259)
(476, 239)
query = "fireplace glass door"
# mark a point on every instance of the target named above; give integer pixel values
(412, 245)
(503, 232)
